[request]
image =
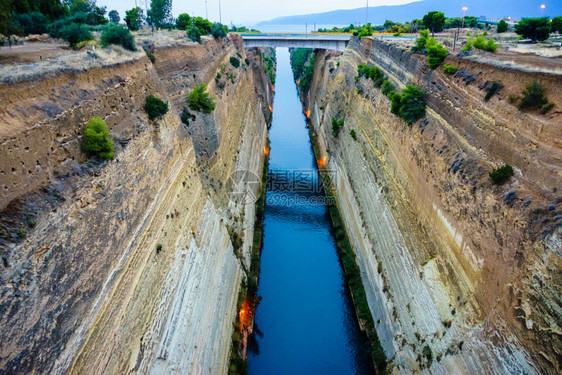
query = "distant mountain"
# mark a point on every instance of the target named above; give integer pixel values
(515, 9)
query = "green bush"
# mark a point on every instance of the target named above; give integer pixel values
(302, 62)
(366, 30)
(412, 104)
(512, 98)
(450, 69)
(353, 134)
(502, 27)
(395, 102)
(96, 141)
(436, 53)
(556, 25)
(468, 45)
(234, 62)
(421, 41)
(533, 96)
(155, 107)
(218, 30)
(481, 43)
(22, 233)
(501, 175)
(183, 21)
(75, 33)
(200, 100)
(546, 108)
(118, 35)
(194, 34)
(30, 23)
(336, 126)
(151, 57)
(371, 72)
(492, 89)
(387, 87)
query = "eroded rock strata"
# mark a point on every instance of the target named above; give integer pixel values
(127, 266)
(462, 276)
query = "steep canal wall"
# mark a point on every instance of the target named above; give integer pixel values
(461, 275)
(127, 266)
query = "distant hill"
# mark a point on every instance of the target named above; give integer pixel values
(515, 9)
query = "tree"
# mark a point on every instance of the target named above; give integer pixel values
(95, 141)
(434, 21)
(160, 13)
(421, 41)
(218, 31)
(366, 30)
(412, 102)
(536, 29)
(133, 18)
(194, 34)
(5, 17)
(118, 35)
(204, 25)
(30, 23)
(200, 100)
(114, 16)
(556, 25)
(183, 21)
(502, 26)
(75, 33)
(155, 107)
(436, 53)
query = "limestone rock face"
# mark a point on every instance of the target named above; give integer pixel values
(127, 266)
(462, 276)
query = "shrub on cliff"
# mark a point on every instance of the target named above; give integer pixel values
(492, 89)
(533, 96)
(387, 87)
(412, 104)
(118, 35)
(95, 140)
(74, 33)
(234, 62)
(194, 34)
(436, 53)
(200, 100)
(395, 102)
(450, 69)
(501, 175)
(336, 126)
(183, 21)
(421, 41)
(155, 107)
(219, 31)
(371, 72)
(366, 30)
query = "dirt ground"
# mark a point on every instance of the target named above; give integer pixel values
(33, 52)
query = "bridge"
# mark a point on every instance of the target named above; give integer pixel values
(336, 42)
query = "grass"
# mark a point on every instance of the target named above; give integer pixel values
(351, 270)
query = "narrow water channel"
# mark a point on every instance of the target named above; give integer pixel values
(305, 323)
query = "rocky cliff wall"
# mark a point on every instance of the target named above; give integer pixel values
(461, 275)
(86, 290)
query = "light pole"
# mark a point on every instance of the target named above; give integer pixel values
(220, 15)
(206, 12)
(542, 9)
(367, 13)
(464, 9)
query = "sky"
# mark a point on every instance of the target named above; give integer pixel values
(249, 12)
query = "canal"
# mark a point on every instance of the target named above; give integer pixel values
(305, 322)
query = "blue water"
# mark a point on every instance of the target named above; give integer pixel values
(305, 323)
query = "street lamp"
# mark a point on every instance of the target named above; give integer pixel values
(542, 9)
(464, 9)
